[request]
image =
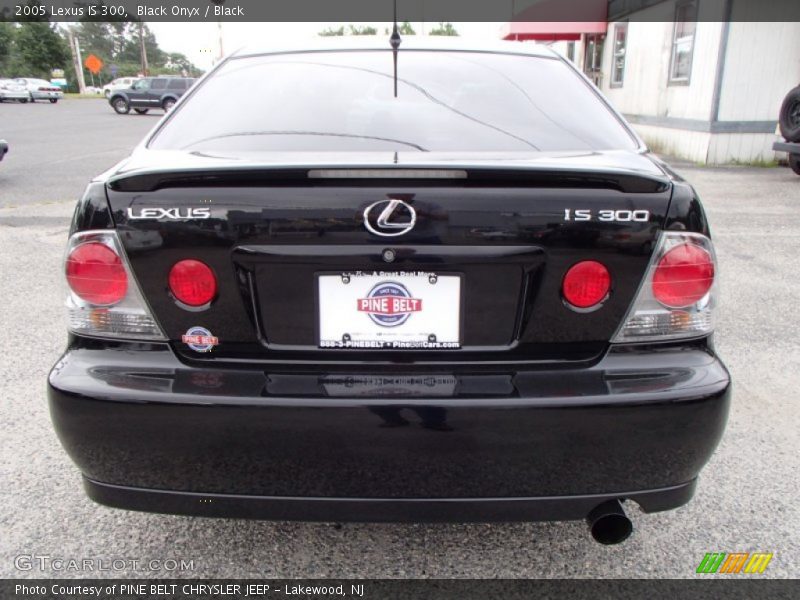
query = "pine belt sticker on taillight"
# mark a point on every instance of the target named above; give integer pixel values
(678, 293)
(104, 299)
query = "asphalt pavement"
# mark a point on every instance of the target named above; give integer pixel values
(56, 148)
(746, 499)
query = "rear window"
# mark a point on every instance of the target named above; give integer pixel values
(158, 84)
(176, 84)
(344, 101)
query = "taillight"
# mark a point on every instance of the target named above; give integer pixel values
(95, 273)
(677, 296)
(192, 282)
(586, 284)
(683, 276)
(104, 299)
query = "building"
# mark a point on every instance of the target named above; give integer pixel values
(703, 86)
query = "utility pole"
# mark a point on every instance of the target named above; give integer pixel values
(145, 67)
(75, 49)
(219, 33)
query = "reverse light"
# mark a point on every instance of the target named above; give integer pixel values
(586, 284)
(104, 299)
(677, 296)
(192, 282)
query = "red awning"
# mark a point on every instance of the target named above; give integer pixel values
(550, 31)
(548, 20)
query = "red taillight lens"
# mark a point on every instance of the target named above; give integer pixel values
(683, 276)
(586, 284)
(96, 274)
(192, 282)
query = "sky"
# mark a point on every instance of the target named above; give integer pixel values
(199, 41)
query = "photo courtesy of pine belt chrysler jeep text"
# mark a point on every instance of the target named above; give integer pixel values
(325, 289)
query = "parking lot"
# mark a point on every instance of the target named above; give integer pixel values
(746, 499)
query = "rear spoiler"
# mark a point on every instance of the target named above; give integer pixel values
(626, 181)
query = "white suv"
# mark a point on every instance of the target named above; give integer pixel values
(120, 83)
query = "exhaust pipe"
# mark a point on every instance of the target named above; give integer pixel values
(608, 523)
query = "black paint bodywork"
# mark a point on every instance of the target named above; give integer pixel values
(545, 419)
(511, 443)
(272, 231)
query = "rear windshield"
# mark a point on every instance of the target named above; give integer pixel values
(344, 101)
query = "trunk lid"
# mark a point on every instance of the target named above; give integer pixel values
(504, 224)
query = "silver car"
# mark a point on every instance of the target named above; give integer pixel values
(41, 89)
(13, 92)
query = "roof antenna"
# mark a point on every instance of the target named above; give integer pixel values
(395, 42)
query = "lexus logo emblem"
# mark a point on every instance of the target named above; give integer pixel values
(389, 218)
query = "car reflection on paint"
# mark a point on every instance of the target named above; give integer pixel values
(141, 239)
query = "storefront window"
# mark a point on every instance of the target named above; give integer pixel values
(683, 42)
(620, 44)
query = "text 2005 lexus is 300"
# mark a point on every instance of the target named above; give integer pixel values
(310, 295)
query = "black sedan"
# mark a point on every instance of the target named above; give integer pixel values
(438, 283)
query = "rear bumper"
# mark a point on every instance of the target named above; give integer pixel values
(376, 510)
(484, 443)
(789, 147)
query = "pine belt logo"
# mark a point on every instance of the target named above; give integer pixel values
(199, 339)
(753, 563)
(389, 304)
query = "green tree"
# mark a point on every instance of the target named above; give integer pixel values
(406, 29)
(179, 64)
(6, 45)
(131, 48)
(39, 48)
(97, 38)
(350, 30)
(444, 29)
(364, 30)
(331, 32)
(118, 31)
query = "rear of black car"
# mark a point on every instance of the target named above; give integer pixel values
(478, 300)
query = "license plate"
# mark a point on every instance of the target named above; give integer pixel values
(412, 310)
